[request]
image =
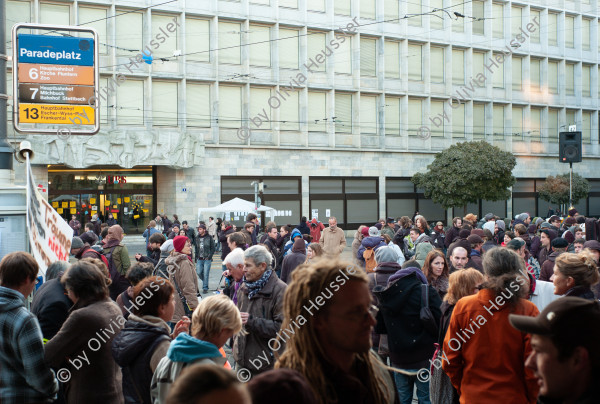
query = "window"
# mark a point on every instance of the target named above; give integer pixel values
(479, 13)
(517, 69)
(230, 42)
(289, 115)
(516, 20)
(230, 107)
(368, 114)
(391, 9)
(498, 72)
(498, 21)
(164, 103)
(317, 111)
(570, 118)
(166, 49)
(98, 16)
(130, 103)
(552, 130)
(263, 2)
(368, 57)
(259, 104)
(316, 43)
(288, 3)
(569, 31)
(415, 115)
(129, 28)
(16, 11)
(315, 5)
(586, 127)
(458, 122)
(436, 64)
(343, 57)
(570, 78)
(536, 16)
(458, 24)
(436, 110)
(391, 53)
(197, 40)
(288, 48)
(260, 50)
(458, 66)
(367, 9)
(343, 113)
(534, 74)
(553, 77)
(392, 116)
(517, 122)
(342, 7)
(535, 125)
(498, 118)
(413, 11)
(553, 29)
(198, 105)
(415, 62)
(55, 14)
(585, 33)
(478, 121)
(586, 73)
(478, 65)
(436, 20)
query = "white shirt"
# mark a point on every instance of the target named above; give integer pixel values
(543, 295)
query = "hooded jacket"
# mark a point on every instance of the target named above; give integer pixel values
(373, 242)
(182, 271)
(184, 351)
(293, 260)
(24, 377)
(138, 348)
(303, 228)
(290, 243)
(410, 344)
(548, 266)
(316, 228)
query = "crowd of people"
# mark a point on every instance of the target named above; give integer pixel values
(483, 311)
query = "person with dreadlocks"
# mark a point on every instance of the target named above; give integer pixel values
(328, 307)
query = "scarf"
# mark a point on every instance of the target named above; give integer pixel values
(256, 286)
(405, 272)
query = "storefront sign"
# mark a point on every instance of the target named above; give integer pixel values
(49, 235)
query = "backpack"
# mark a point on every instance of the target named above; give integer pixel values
(115, 275)
(369, 256)
(103, 258)
(161, 269)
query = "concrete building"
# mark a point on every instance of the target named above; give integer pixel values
(334, 104)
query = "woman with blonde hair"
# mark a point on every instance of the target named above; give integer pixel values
(437, 271)
(575, 274)
(215, 320)
(313, 251)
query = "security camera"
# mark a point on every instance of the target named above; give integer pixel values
(24, 150)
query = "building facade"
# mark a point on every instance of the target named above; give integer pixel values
(334, 104)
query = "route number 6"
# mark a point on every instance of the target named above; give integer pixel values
(33, 73)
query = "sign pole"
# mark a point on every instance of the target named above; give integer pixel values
(6, 152)
(571, 185)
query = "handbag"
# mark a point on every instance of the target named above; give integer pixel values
(425, 315)
(441, 390)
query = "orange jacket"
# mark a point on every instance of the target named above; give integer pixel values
(485, 354)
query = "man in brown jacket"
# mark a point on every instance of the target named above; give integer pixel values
(260, 301)
(333, 239)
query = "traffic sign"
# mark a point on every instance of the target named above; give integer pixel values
(54, 79)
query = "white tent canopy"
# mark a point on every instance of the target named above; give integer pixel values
(234, 205)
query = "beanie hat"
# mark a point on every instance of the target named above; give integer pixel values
(545, 225)
(572, 212)
(179, 243)
(523, 216)
(474, 239)
(167, 246)
(532, 228)
(538, 221)
(553, 218)
(569, 237)
(570, 221)
(378, 225)
(386, 254)
(501, 224)
(77, 243)
(559, 242)
(464, 233)
(373, 231)
(488, 216)
(477, 232)
(365, 231)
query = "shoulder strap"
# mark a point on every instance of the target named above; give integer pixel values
(424, 295)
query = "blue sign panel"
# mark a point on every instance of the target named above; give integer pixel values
(44, 49)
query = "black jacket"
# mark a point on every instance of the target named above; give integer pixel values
(451, 235)
(410, 344)
(584, 292)
(153, 259)
(51, 306)
(293, 260)
(208, 247)
(132, 349)
(303, 228)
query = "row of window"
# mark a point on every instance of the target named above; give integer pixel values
(268, 108)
